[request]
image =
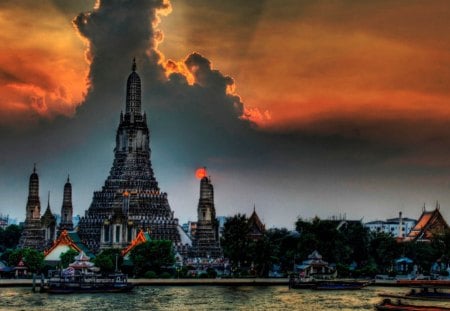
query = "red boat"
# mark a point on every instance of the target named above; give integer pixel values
(387, 304)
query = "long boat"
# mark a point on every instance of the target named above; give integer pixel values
(340, 285)
(59, 283)
(425, 293)
(298, 283)
(387, 304)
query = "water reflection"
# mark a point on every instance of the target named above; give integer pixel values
(197, 298)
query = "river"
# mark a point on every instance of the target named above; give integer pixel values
(197, 298)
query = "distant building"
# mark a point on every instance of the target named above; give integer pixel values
(4, 221)
(397, 227)
(257, 228)
(429, 223)
(38, 232)
(205, 242)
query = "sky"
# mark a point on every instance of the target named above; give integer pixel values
(300, 108)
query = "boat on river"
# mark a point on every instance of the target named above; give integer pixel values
(301, 283)
(388, 304)
(340, 285)
(63, 282)
(424, 293)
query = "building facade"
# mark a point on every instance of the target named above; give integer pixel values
(397, 227)
(130, 199)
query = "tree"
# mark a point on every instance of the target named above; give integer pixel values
(384, 249)
(152, 256)
(68, 257)
(9, 237)
(32, 258)
(106, 260)
(235, 240)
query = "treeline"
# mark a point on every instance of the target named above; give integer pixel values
(349, 245)
(9, 237)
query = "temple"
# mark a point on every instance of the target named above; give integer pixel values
(257, 228)
(206, 240)
(66, 209)
(39, 232)
(130, 199)
(429, 223)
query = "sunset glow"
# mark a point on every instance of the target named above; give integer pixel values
(201, 172)
(45, 72)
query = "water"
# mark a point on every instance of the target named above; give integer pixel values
(197, 298)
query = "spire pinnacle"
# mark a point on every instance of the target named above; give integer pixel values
(133, 67)
(48, 200)
(68, 177)
(34, 168)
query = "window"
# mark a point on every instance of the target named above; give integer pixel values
(117, 233)
(106, 233)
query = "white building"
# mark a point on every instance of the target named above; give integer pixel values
(397, 227)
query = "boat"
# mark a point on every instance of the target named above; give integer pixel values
(81, 277)
(387, 304)
(424, 293)
(66, 282)
(340, 285)
(311, 283)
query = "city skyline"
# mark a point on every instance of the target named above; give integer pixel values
(303, 108)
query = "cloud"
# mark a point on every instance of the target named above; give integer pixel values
(44, 73)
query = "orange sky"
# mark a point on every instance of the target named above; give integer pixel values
(294, 63)
(43, 71)
(304, 61)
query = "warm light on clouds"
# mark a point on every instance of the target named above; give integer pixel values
(43, 68)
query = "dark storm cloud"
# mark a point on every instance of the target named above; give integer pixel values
(198, 124)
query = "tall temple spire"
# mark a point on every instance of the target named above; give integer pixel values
(133, 67)
(133, 103)
(206, 240)
(32, 235)
(48, 200)
(33, 203)
(130, 199)
(67, 208)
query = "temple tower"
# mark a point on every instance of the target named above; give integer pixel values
(33, 235)
(206, 241)
(67, 208)
(130, 199)
(48, 222)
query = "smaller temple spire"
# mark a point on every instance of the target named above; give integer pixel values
(48, 201)
(133, 66)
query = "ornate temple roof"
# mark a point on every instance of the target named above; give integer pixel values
(63, 243)
(256, 225)
(428, 222)
(140, 238)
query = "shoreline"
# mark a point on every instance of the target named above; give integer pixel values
(192, 282)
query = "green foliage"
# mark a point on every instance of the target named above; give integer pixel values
(106, 260)
(235, 240)
(9, 237)
(32, 258)
(68, 257)
(150, 275)
(384, 249)
(152, 256)
(165, 275)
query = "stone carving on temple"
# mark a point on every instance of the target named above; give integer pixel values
(130, 199)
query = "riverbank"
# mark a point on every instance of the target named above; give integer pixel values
(191, 282)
